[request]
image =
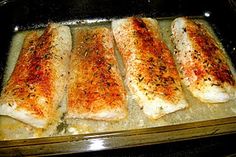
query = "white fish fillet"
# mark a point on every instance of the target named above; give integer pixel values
(202, 63)
(151, 74)
(37, 84)
(95, 88)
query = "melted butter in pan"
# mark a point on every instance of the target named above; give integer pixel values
(197, 111)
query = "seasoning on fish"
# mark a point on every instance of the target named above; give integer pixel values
(151, 74)
(37, 84)
(203, 65)
(95, 89)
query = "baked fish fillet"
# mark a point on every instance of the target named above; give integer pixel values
(95, 89)
(37, 84)
(151, 74)
(202, 63)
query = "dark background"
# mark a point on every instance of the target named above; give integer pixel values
(220, 146)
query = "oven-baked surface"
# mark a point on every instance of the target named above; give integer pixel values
(203, 65)
(37, 84)
(206, 113)
(151, 74)
(95, 87)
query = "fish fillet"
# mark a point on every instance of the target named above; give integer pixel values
(37, 84)
(95, 89)
(151, 74)
(202, 63)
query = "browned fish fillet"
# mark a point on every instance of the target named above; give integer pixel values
(202, 63)
(95, 89)
(151, 74)
(37, 84)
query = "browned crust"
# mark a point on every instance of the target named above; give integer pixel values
(33, 77)
(208, 57)
(94, 84)
(156, 73)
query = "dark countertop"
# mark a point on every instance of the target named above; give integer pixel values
(218, 146)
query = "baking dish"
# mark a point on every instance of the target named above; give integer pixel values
(24, 15)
